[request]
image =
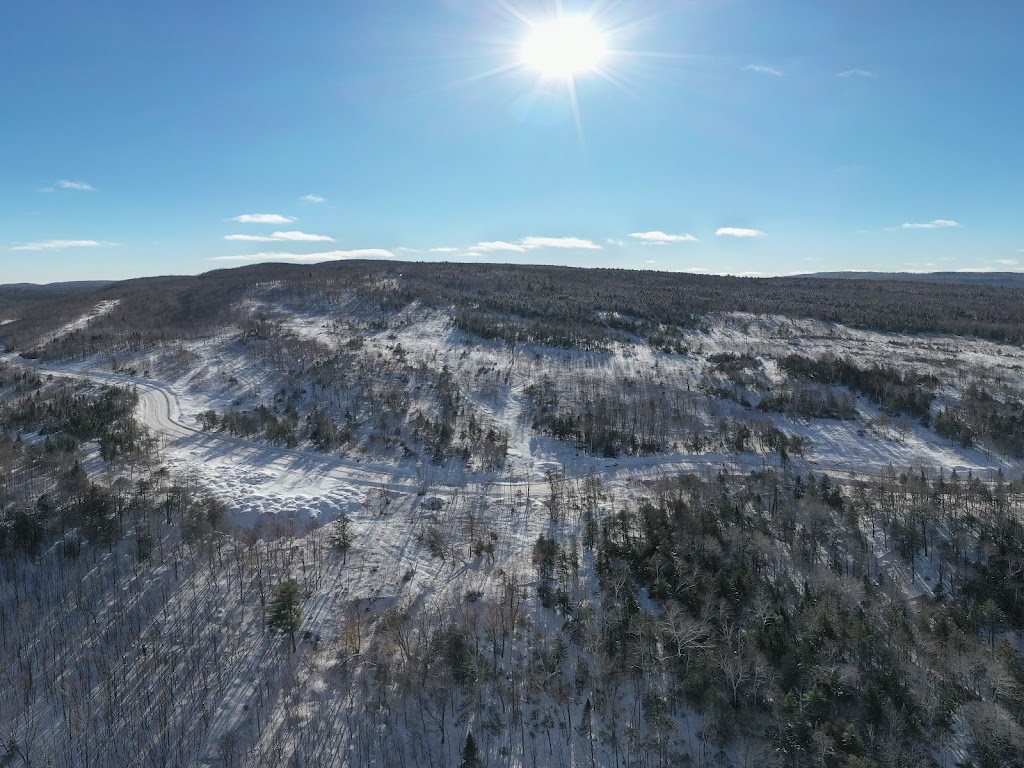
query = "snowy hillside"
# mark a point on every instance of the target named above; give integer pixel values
(334, 531)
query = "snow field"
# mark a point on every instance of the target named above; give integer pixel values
(255, 698)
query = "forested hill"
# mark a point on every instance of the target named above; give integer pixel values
(13, 294)
(519, 303)
(999, 279)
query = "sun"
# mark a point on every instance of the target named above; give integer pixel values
(564, 48)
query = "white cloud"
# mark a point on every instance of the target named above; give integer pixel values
(444, 250)
(359, 253)
(303, 237)
(403, 249)
(277, 237)
(532, 243)
(497, 245)
(763, 70)
(313, 199)
(559, 242)
(661, 237)
(857, 73)
(1007, 262)
(81, 186)
(615, 241)
(263, 218)
(56, 245)
(936, 224)
(739, 232)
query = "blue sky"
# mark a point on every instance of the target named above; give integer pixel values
(740, 136)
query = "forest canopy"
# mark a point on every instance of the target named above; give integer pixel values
(560, 306)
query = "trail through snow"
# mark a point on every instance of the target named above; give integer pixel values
(103, 308)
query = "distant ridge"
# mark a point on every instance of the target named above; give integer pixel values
(67, 286)
(15, 292)
(998, 279)
(551, 305)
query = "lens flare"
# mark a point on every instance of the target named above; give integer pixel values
(564, 48)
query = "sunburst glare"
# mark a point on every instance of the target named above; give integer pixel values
(564, 47)
(552, 53)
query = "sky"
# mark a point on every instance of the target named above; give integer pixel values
(752, 137)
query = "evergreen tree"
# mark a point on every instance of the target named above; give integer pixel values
(284, 614)
(470, 754)
(341, 536)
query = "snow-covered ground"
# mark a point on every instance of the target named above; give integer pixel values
(259, 480)
(285, 496)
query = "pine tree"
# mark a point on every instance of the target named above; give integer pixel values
(284, 614)
(341, 536)
(470, 755)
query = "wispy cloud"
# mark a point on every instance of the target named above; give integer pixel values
(57, 245)
(81, 186)
(313, 199)
(533, 243)
(1006, 262)
(935, 224)
(559, 242)
(444, 250)
(359, 253)
(763, 70)
(263, 218)
(660, 238)
(294, 236)
(497, 245)
(303, 237)
(615, 241)
(739, 232)
(848, 73)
